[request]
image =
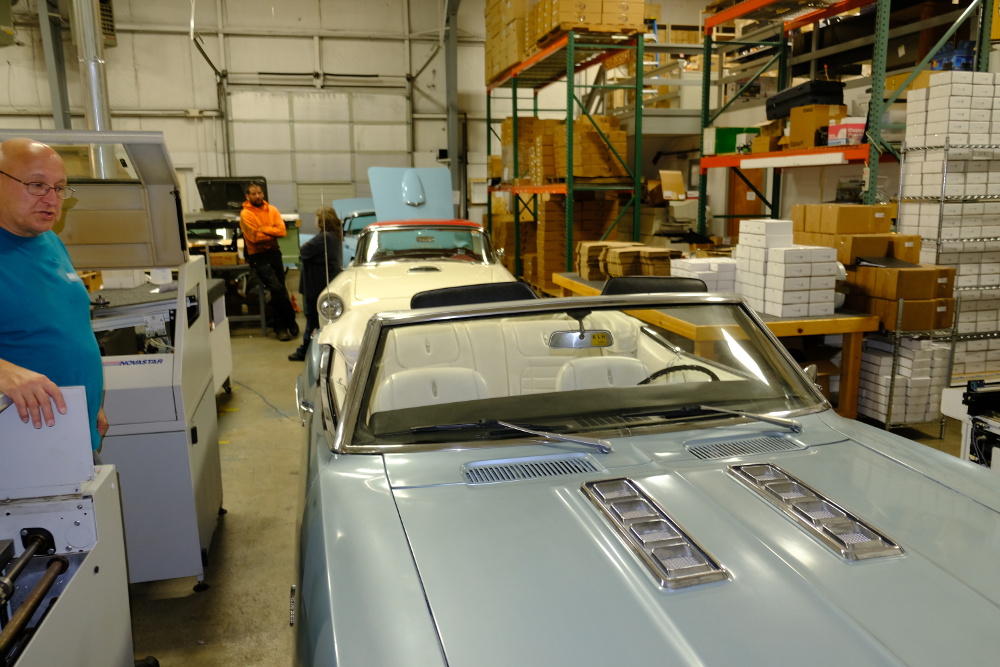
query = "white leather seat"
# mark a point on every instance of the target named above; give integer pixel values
(600, 372)
(429, 386)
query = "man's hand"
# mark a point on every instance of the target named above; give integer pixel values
(32, 394)
(102, 422)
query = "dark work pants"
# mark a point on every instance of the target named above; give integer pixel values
(312, 321)
(271, 273)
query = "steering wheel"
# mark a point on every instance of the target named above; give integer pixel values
(683, 367)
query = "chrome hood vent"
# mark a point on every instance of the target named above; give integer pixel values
(673, 558)
(424, 269)
(510, 470)
(747, 447)
(616, 420)
(841, 531)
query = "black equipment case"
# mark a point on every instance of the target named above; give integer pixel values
(811, 92)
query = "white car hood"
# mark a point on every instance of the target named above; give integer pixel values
(396, 282)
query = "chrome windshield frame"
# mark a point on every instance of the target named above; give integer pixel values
(366, 356)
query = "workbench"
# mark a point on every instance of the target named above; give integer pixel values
(852, 326)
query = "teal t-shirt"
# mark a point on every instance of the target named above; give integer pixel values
(45, 317)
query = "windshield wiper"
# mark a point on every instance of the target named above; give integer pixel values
(603, 446)
(693, 410)
(790, 424)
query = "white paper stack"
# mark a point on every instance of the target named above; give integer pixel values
(779, 278)
(921, 375)
(718, 273)
(961, 109)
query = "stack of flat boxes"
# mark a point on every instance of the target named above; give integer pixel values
(921, 375)
(590, 218)
(718, 273)
(502, 233)
(962, 108)
(782, 279)
(507, 35)
(592, 158)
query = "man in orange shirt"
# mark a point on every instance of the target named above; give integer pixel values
(262, 226)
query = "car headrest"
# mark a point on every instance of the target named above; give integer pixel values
(471, 294)
(652, 285)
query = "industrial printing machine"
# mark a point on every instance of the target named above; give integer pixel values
(63, 578)
(124, 219)
(981, 424)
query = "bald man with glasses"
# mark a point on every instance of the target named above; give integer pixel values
(46, 340)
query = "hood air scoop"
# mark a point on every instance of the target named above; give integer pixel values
(424, 269)
(674, 559)
(510, 470)
(838, 529)
(747, 447)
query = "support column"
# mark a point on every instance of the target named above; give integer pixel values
(456, 157)
(55, 62)
(877, 106)
(90, 47)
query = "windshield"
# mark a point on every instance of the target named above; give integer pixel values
(355, 222)
(574, 371)
(451, 243)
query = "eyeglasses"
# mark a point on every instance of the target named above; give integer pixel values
(41, 189)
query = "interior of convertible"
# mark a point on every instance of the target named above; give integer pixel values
(566, 366)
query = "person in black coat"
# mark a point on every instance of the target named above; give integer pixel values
(320, 258)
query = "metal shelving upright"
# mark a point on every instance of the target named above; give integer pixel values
(782, 11)
(955, 244)
(567, 55)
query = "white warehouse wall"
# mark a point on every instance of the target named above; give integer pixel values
(382, 101)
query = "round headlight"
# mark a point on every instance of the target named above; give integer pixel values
(331, 307)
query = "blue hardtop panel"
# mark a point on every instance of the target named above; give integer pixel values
(346, 207)
(403, 193)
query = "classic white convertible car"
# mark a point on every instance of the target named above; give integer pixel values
(395, 260)
(622, 480)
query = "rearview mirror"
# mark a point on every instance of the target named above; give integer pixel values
(574, 340)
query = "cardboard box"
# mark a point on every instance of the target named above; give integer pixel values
(944, 316)
(944, 282)
(851, 219)
(224, 258)
(654, 193)
(808, 124)
(798, 218)
(905, 247)
(919, 283)
(922, 80)
(764, 145)
(917, 314)
(672, 185)
(813, 218)
(851, 246)
(848, 131)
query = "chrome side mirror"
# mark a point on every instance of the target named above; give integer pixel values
(812, 372)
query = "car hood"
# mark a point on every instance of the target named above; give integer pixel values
(531, 571)
(395, 281)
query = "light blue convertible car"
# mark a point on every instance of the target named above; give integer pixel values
(622, 480)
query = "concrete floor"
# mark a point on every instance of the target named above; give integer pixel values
(243, 618)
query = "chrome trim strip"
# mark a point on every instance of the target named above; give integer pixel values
(844, 533)
(672, 557)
